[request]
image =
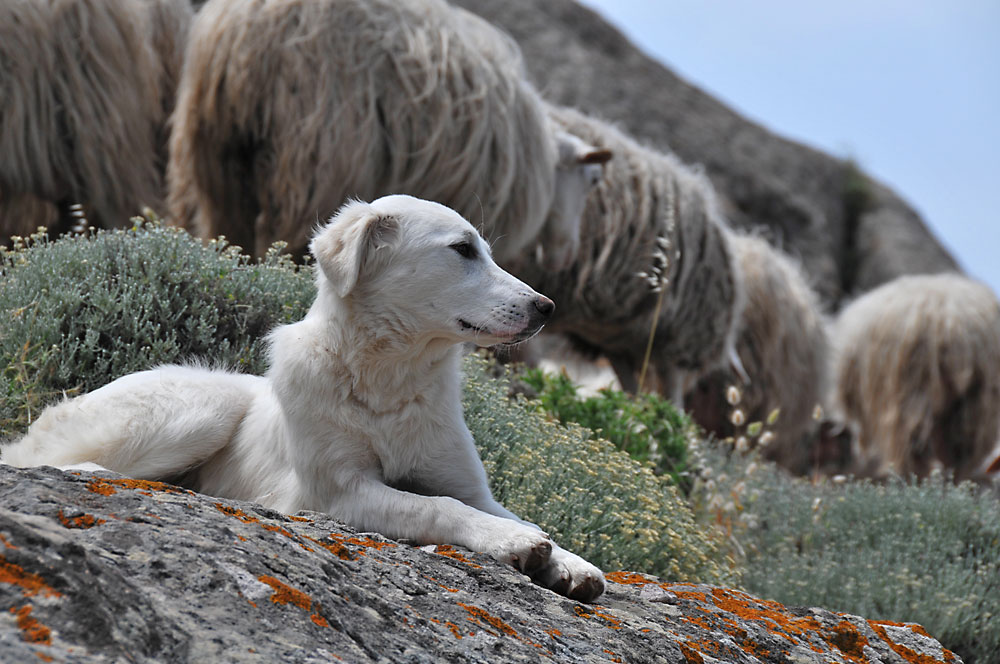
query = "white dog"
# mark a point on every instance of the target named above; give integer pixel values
(360, 412)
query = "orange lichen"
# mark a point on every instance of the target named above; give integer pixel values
(319, 620)
(82, 521)
(450, 625)
(281, 531)
(771, 615)
(99, 486)
(363, 541)
(439, 584)
(691, 656)
(449, 551)
(614, 657)
(6, 544)
(45, 658)
(775, 619)
(108, 487)
(705, 646)
(690, 594)
(30, 584)
(32, 630)
(909, 656)
(913, 627)
(627, 578)
(553, 632)
(755, 649)
(700, 622)
(285, 594)
(485, 620)
(236, 513)
(846, 638)
(336, 548)
(300, 519)
(338, 545)
(248, 518)
(592, 612)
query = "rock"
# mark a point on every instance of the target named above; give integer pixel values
(99, 568)
(851, 232)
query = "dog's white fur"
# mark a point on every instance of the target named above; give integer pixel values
(362, 399)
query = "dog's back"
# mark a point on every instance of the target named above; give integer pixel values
(144, 425)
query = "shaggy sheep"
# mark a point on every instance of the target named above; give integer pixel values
(783, 347)
(287, 108)
(84, 94)
(917, 373)
(649, 214)
(168, 25)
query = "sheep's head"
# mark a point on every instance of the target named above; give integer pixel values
(579, 168)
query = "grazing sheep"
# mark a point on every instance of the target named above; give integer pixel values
(783, 347)
(648, 213)
(84, 96)
(917, 374)
(288, 108)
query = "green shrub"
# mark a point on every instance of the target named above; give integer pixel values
(925, 552)
(592, 498)
(81, 311)
(648, 427)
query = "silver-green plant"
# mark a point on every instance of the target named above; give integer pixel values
(921, 551)
(82, 310)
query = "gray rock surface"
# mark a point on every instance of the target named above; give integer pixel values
(807, 199)
(97, 568)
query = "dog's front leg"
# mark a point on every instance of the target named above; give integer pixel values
(371, 505)
(565, 572)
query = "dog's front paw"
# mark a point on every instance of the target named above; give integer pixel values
(526, 549)
(570, 575)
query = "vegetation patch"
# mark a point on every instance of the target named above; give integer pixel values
(647, 427)
(925, 552)
(83, 310)
(593, 498)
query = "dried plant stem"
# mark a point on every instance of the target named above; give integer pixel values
(649, 343)
(662, 279)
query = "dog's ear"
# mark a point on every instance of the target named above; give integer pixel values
(349, 243)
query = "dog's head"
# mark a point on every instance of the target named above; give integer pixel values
(422, 269)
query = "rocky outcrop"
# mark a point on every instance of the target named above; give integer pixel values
(98, 568)
(851, 232)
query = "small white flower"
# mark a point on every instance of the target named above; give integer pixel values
(733, 395)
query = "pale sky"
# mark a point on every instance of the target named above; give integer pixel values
(910, 89)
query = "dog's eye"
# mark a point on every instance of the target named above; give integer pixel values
(464, 249)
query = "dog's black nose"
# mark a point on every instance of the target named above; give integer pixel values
(545, 306)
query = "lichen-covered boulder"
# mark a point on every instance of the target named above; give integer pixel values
(99, 568)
